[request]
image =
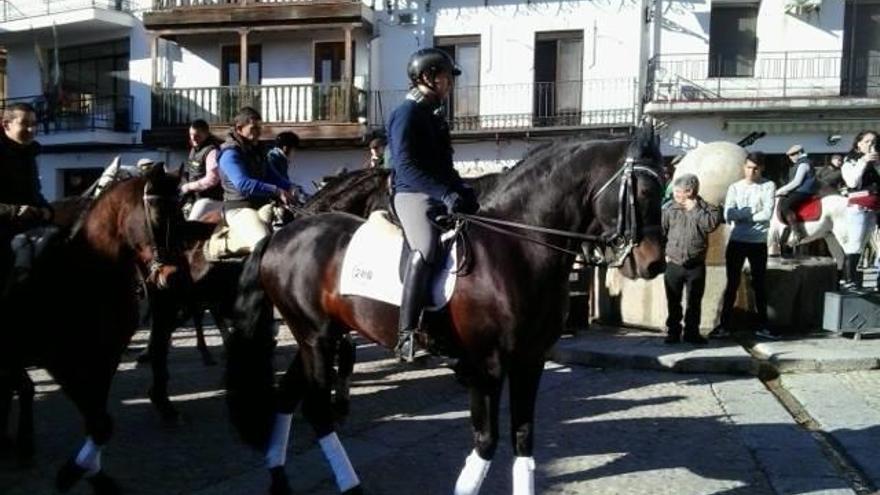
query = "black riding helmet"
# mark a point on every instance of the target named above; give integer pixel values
(430, 61)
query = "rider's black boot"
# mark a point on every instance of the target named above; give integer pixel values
(415, 287)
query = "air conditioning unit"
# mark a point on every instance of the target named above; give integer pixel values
(406, 19)
(801, 7)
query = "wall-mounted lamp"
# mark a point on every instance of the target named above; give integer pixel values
(833, 139)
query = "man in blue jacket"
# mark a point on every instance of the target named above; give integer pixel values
(424, 182)
(248, 185)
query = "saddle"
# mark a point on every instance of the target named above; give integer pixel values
(808, 211)
(375, 261)
(865, 199)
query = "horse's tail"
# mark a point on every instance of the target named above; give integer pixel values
(250, 376)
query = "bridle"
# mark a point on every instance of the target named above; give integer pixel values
(628, 231)
(161, 253)
(608, 249)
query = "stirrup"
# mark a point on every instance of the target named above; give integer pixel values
(406, 350)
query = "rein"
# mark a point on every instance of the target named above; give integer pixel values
(627, 233)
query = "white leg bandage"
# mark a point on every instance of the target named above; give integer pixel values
(276, 454)
(89, 457)
(472, 475)
(346, 478)
(524, 476)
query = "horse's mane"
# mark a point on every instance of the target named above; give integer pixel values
(559, 164)
(346, 185)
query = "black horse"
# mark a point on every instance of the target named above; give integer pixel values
(507, 310)
(77, 310)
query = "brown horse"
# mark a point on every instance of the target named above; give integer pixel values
(214, 283)
(77, 310)
(507, 310)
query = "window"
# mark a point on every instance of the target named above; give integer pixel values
(77, 180)
(558, 78)
(464, 104)
(94, 86)
(860, 70)
(733, 42)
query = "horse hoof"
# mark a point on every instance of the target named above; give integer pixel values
(279, 486)
(163, 404)
(104, 485)
(68, 475)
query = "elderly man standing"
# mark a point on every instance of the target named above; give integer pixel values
(686, 223)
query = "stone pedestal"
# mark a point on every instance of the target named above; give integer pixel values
(795, 292)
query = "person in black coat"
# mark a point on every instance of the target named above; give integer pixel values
(22, 205)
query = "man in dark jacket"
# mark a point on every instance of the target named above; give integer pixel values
(22, 205)
(687, 223)
(202, 170)
(424, 182)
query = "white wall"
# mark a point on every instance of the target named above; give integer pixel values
(51, 165)
(686, 27)
(23, 71)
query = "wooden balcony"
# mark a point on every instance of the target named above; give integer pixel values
(321, 114)
(169, 17)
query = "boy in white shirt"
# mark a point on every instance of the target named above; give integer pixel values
(748, 207)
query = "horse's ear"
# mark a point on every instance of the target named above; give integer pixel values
(154, 171)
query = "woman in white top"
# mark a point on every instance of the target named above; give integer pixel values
(863, 180)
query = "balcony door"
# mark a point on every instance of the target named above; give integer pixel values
(558, 78)
(331, 100)
(861, 49)
(232, 97)
(733, 40)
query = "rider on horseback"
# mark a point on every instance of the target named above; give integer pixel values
(800, 188)
(22, 205)
(248, 185)
(424, 183)
(202, 170)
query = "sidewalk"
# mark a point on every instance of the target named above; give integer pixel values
(612, 347)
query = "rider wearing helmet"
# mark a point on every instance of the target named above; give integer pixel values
(424, 182)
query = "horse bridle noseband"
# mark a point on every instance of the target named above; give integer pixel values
(161, 253)
(628, 232)
(607, 249)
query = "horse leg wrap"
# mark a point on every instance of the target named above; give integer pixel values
(346, 478)
(524, 476)
(276, 454)
(89, 457)
(472, 475)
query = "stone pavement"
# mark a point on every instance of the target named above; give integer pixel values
(599, 431)
(633, 348)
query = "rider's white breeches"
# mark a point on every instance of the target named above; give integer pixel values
(247, 227)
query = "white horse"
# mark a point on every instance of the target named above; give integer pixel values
(831, 226)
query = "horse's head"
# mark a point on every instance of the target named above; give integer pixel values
(160, 236)
(627, 208)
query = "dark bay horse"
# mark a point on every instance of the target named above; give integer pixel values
(507, 310)
(76, 312)
(214, 284)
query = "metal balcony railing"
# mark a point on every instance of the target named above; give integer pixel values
(87, 112)
(791, 74)
(13, 10)
(293, 104)
(183, 4)
(586, 103)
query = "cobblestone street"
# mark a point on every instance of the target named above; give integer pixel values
(599, 431)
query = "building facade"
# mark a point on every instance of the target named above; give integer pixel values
(796, 71)
(125, 77)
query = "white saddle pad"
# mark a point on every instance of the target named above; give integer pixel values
(372, 262)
